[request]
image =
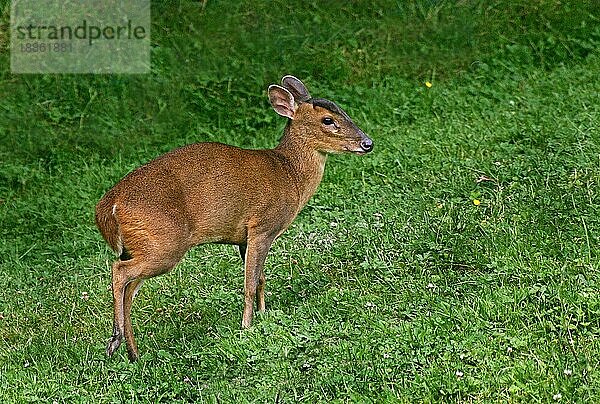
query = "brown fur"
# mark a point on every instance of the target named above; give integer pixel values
(215, 193)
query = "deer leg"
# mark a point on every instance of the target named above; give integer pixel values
(118, 290)
(127, 277)
(254, 276)
(130, 292)
(260, 292)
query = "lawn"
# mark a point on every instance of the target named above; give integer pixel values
(458, 262)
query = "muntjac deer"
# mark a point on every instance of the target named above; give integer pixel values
(215, 193)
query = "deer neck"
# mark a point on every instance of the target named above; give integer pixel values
(306, 164)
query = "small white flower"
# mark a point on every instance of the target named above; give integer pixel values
(568, 372)
(509, 349)
(430, 286)
(557, 396)
(85, 296)
(459, 373)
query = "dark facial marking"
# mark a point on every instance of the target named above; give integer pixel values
(323, 103)
(332, 107)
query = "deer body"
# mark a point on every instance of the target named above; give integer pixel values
(215, 193)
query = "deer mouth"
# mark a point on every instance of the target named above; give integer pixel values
(361, 149)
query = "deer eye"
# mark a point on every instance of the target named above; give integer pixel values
(327, 121)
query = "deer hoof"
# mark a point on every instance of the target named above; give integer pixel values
(113, 344)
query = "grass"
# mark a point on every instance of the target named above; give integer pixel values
(392, 284)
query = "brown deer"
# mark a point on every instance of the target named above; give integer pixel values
(215, 193)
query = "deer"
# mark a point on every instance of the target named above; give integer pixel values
(216, 193)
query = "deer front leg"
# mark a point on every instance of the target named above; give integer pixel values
(260, 292)
(254, 277)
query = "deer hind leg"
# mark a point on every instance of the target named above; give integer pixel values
(118, 290)
(151, 246)
(127, 277)
(130, 292)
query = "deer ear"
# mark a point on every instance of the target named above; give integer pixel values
(296, 87)
(282, 101)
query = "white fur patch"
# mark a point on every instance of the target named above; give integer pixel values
(119, 246)
(137, 288)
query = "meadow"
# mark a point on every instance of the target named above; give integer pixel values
(457, 262)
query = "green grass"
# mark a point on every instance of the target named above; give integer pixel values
(391, 285)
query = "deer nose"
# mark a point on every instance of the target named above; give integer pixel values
(366, 144)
